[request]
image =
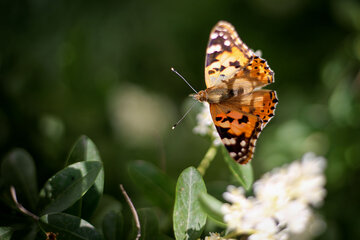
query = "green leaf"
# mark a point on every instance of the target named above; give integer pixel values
(112, 226)
(18, 170)
(107, 204)
(212, 207)
(64, 188)
(68, 227)
(189, 219)
(156, 186)
(75, 209)
(6, 233)
(242, 173)
(85, 150)
(148, 223)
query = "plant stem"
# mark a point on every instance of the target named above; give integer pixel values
(205, 162)
(19, 206)
(133, 210)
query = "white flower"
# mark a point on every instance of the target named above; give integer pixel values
(281, 206)
(205, 125)
(235, 213)
(295, 215)
(310, 183)
(302, 180)
(315, 226)
(267, 229)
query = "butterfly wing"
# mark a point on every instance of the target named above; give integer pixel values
(240, 121)
(226, 54)
(238, 131)
(231, 65)
(229, 59)
(260, 103)
(257, 71)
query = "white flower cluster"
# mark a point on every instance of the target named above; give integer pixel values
(205, 124)
(281, 206)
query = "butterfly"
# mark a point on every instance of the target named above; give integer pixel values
(234, 75)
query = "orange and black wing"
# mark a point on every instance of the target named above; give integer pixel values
(239, 122)
(238, 131)
(260, 103)
(226, 54)
(229, 59)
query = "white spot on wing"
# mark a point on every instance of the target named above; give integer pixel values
(229, 141)
(242, 158)
(214, 48)
(227, 43)
(214, 35)
(225, 141)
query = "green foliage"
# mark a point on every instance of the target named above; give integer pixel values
(85, 150)
(113, 225)
(18, 170)
(107, 204)
(72, 67)
(68, 227)
(189, 219)
(60, 192)
(67, 186)
(5, 233)
(156, 186)
(212, 207)
(149, 224)
(243, 173)
(72, 194)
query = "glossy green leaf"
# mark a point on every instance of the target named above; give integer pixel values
(112, 226)
(66, 187)
(68, 227)
(156, 186)
(148, 224)
(188, 218)
(18, 170)
(212, 207)
(6, 233)
(85, 150)
(242, 173)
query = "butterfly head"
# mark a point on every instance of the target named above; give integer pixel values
(201, 96)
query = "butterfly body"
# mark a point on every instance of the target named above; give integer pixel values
(234, 76)
(215, 95)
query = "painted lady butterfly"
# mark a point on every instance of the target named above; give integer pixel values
(233, 76)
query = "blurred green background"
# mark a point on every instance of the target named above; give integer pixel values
(103, 69)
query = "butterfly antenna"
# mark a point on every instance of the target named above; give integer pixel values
(172, 69)
(174, 126)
